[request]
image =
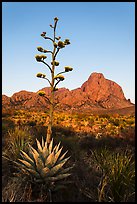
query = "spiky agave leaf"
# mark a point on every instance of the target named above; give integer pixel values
(62, 161)
(27, 164)
(56, 150)
(62, 171)
(35, 154)
(39, 146)
(25, 156)
(55, 169)
(57, 155)
(42, 143)
(45, 163)
(63, 155)
(34, 172)
(45, 152)
(50, 160)
(37, 158)
(50, 146)
(58, 177)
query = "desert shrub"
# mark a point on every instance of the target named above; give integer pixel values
(116, 122)
(91, 122)
(117, 183)
(104, 116)
(17, 140)
(130, 121)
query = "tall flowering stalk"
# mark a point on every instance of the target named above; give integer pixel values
(55, 79)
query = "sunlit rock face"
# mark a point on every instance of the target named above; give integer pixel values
(97, 92)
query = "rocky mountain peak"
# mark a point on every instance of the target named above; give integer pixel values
(99, 88)
(96, 76)
(96, 92)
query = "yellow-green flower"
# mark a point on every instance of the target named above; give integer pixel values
(43, 57)
(41, 93)
(67, 69)
(61, 44)
(40, 49)
(56, 19)
(43, 34)
(66, 42)
(39, 75)
(60, 77)
(38, 58)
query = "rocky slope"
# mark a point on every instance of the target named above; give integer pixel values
(96, 93)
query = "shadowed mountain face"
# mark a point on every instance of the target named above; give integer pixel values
(96, 93)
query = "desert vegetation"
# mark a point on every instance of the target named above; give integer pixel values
(66, 156)
(101, 149)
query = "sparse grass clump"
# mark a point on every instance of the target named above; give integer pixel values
(117, 183)
(16, 140)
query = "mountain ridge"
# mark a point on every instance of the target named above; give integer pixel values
(95, 93)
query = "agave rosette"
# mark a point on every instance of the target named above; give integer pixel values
(46, 163)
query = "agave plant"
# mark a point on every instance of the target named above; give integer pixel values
(45, 165)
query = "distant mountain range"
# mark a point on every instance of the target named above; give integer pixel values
(97, 93)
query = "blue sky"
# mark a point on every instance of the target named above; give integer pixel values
(102, 36)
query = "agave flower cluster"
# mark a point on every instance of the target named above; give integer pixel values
(41, 93)
(45, 165)
(60, 77)
(68, 69)
(40, 57)
(40, 75)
